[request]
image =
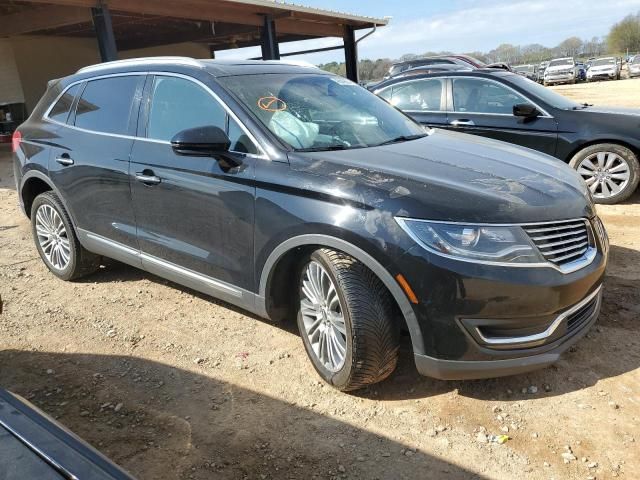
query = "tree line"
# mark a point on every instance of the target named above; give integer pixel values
(623, 37)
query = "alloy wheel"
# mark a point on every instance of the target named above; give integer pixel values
(606, 173)
(52, 237)
(323, 317)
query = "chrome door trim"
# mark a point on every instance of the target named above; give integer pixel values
(184, 276)
(230, 112)
(542, 110)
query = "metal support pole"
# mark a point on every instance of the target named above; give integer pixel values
(270, 49)
(350, 53)
(104, 31)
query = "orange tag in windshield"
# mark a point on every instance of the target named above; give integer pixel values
(271, 104)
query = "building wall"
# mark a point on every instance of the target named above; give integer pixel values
(40, 59)
(10, 85)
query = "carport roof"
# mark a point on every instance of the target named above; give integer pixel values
(143, 23)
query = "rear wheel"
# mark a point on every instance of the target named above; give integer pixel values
(610, 171)
(345, 319)
(56, 240)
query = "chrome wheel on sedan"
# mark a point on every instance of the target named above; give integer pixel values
(323, 318)
(605, 173)
(52, 237)
(610, 170)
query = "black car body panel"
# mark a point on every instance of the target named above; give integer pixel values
(557, 132)
(33, 446)
(232, 229)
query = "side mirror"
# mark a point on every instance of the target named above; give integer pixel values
(525, 110)
(201, 141)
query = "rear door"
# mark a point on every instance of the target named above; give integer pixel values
(422, 99)
(90, 163)
(195, 216)
(482, 106)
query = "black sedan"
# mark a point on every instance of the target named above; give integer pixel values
(602, 144)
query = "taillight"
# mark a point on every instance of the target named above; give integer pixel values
(15, 141)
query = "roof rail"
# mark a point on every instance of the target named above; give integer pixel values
(141, 61)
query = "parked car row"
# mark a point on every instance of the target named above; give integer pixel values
(601, 144)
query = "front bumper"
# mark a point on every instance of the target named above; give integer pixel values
(481, 320)
(559, 78)
(601, 75)
(470, 369)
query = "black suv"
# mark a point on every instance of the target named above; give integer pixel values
(289, 191)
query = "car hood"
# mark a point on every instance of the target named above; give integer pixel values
(559, 68)
(628, 112)
(453, 177)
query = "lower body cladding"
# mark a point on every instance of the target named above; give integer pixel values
(482, 321)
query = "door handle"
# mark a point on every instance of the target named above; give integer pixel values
(64, 159)
(461, 123)
(147, 179)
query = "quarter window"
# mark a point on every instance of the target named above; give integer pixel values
(472, 95)
(60, 111)
(178, 104)
(105, 105)
(240, 141)
(417, 95)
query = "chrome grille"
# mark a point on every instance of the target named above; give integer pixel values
(561, 242)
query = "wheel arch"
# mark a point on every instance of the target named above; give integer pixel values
(290, 249)
(614, 140)
(33, 184)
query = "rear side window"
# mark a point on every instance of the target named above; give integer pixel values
(60, 111)
(105, 105)
(178, 104)
(417, 95)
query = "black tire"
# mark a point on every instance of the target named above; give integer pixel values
(629, 156)
(372, 339)
(81, 261)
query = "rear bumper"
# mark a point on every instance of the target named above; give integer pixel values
(476, 369)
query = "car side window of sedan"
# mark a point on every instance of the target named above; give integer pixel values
(475, 95)
(417, 95)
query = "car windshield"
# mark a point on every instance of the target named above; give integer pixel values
(545, 94)
(311, 112)
(560, 61)
(604, 61)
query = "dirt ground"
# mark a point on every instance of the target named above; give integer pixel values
(175, 385)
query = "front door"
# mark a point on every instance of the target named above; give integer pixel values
(195, 215)
(485, 107)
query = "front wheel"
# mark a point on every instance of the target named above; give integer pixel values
(346, 322)
(610, 171)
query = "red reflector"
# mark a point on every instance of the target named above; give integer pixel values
(15, 141)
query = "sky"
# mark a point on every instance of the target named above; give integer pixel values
(418, 26)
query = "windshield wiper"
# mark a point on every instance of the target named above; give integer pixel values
(582, 106)
(324, 149)
(401, 138)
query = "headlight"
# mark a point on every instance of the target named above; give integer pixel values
(479, 243)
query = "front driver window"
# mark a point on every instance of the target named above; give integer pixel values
(472, 95)
(178, 104)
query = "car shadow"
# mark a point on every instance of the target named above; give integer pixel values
(159, 421)
(578, 367)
